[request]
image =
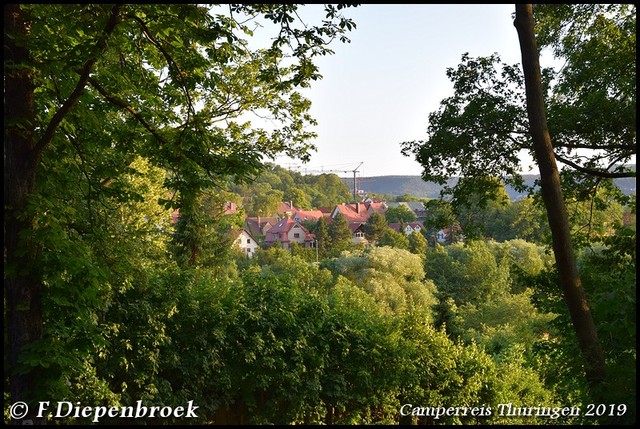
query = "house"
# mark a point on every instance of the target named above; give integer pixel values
(246, 242)
(229, 208)
(407, 227)
(368, 199)
(288, 231)
(376, 207)
(286, 209)
(356, 216)
(351, 212)
(307, 215)
(357, 229)
(449, 235)
(258, 226)
(326, 211)
(417, 207)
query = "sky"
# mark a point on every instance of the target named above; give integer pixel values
(378, 90)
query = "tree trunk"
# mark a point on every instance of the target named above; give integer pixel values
(554, 202)
(23, 288)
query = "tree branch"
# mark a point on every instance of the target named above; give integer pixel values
(126, 106)
(179, 74)
(629, 147)
(101, 44)
(594, 172)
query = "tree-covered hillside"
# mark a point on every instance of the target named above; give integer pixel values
(275, 184)
(414, 185)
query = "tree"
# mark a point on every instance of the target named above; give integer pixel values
(393, 238)
(299, 198)
(340, 234)
(479, 131)
(595, 366)
(406, 198)
(394, 277)
(332, 190)
(417, 244)
(440, 215)
(399, 214)
(166, 82)
(266, 204)
(204, 234)
(375, 227)
(483, 214)
(529, 221)
(483, 128)
(323, 239)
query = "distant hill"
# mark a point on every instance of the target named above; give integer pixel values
(415, 186)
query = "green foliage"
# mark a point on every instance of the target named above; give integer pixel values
(394, 277)
(440, 215)
(502, 322)
(340, 235)
(480, 131)
(593, 220)
(263, 195)
(265, 202)
(399, 214)
(131, 110)
(609, 279)
(440, 372)
(590, 108)
(468, 273)
(323, 239)
(94, 248)
(483, 299)
(393, 238)
(482, 214)
(522, 256)
(529, 222)
(418, 244)
(204, 234)
(405, 197)
(375, 227)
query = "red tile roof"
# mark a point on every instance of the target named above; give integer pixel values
(256, 225)
(313, 215)
(280, 232)
(350, 214)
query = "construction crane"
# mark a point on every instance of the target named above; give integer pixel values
(354, 171)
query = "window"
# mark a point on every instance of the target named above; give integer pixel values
(248, 241)
(248, 250)
(296, 235)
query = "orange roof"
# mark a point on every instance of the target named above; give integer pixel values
(350, 214)
(308, 215)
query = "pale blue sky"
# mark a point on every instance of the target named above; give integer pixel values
(378, 90)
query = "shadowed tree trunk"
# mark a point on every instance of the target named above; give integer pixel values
(554, 202)
(23, 289)
(22, 155)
